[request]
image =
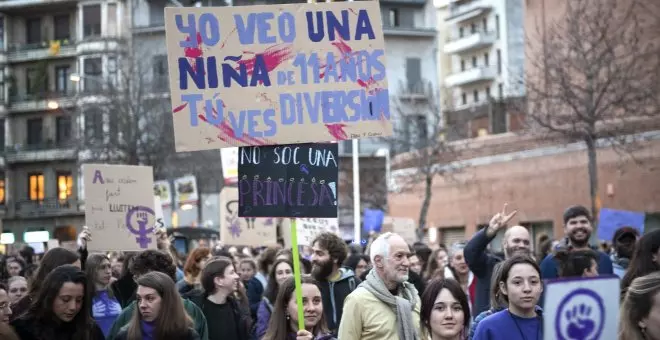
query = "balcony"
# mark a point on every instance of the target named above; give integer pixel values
(409, 31)
(13, 7)
(462, 11)
(47, 207)
(30, 102)
(414, 91)
(17, 53)
(43, 152)
(471, 42)
(419, 3)
(156, 26)
(98, 44)
(471, 76)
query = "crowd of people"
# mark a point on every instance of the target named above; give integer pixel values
(389, 290)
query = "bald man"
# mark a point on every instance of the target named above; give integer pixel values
(516, 240)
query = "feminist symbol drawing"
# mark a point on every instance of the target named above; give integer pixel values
(143, 214)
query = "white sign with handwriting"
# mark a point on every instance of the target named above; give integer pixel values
(119, 207)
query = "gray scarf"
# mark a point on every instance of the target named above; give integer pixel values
(402, 304)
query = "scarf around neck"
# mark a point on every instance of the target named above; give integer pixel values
(402, 304)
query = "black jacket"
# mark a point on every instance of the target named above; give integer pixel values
(334, 293)
(482, 264)
(27, 328)
(244, 325)
(192, 334)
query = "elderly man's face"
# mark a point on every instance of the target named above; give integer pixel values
(397, 264)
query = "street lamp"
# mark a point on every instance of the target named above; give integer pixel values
(53, 105)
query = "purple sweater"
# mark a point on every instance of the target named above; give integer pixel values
(263, 317)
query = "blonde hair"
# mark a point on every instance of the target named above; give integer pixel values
(637, 305)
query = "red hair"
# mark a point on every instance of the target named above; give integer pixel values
(190, 268)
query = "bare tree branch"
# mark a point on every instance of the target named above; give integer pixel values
(595, 78)
(420, 141)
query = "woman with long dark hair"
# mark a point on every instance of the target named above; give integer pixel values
(160, 314)
(105, 306)
(283, 324)
(59, 310)
(281, 270)
(52, 259)
(645, 259)
(445, 311)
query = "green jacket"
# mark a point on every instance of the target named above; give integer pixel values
(199, 320)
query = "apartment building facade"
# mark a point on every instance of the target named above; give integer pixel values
(53, 56)
(481, 56)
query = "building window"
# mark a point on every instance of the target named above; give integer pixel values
(64, 185)
(2, 190)
(475, 96)
(34, 131)
(394, 17)
(499, 61)
(93, 126)
(462, 65)
(464, 98)
(500, 91)
(486, 59)
(36, 186)
(33, 31)
(62, 27)
(461, 32)
(111, 25)
(2, 134)
(422, 132)
(485, 24)
(474, 61)
(156, 13)
(160, 75)
(497, 26)
(36, 81)
(473, 28)
(91, 21)
(63, 127)
(487, 92)
(413, 73)
(61, 78)
(93, 69)
(2, 32)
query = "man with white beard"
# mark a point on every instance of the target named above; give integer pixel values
(516, 240)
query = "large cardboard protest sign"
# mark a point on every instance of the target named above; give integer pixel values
(308, 229)
(278, 74)
(239, 231)
(404, 226)
(298, 180)
(581, 308)
(119, 207)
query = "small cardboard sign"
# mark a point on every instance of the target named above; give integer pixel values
(308, 229)
(240, 231)
(581, 308)
(119, 207)
(298, 180)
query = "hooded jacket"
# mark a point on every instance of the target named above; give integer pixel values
(334, 293)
